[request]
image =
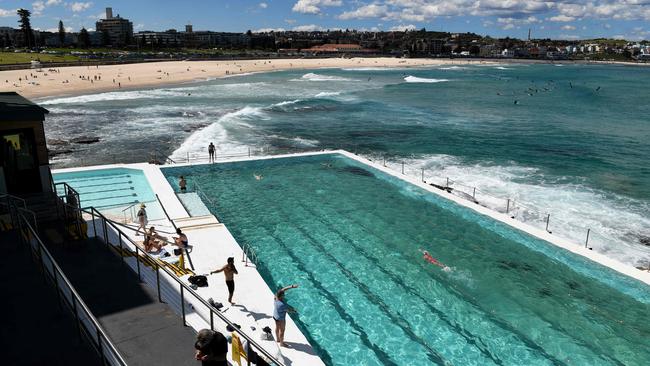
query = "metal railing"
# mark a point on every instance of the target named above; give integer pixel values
(249, 255)
(86, 323)
(143, 260)
(504, 205)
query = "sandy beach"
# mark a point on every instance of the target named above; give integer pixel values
(77, 80)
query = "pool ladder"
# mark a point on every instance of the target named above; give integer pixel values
(249, 255)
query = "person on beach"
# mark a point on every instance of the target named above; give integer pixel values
(211, 348)
(182, 183)
(211, 152)
(229, 271)
(142, 219)
(280, 309)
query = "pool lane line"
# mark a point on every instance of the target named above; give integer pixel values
(470, 338)
(373, 298)
(433, 354)
(80, 179)
(509, 327)
(77, 187)
(381, 355)
(107, 190)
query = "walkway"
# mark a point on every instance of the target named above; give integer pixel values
(35, 329)
(145, 331)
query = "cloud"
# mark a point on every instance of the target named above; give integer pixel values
(7, 13)
(367, 11)
(568, 27)
(79, 6)
(403, 28)
(314, 6)
(562, 18)
(268, 30)
(39, 6)
(263, 5)
(308, 28)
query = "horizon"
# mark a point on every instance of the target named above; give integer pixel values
(564, 20)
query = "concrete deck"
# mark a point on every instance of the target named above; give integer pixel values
(35, 329)
(145, 331)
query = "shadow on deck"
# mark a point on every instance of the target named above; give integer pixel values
(145, 331)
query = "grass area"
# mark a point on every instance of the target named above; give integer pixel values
(24, 57)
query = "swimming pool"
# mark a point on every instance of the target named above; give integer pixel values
(111, 190)
(349, 235)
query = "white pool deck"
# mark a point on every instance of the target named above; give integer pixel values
(213, 244)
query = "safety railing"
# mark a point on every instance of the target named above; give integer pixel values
(14, 206)
(514, 208)
(149, 269)
(86, 323)
(249, 255)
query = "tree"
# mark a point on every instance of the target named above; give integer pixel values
(61, 33)
(84, 38)
(26, 26)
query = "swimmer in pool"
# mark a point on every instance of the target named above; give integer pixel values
(427, 257)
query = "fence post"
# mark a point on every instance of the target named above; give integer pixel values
(474, 194)
(402, 167)
(423, 175)
(587, 240)
(188, 157)
(211, 319)
(447, 186)
(548, 218)
(508, 206)
(384, 160)
(137, 260)
(183, 303)
(249, 152)
(158, 281)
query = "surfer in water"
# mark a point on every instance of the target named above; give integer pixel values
(427, 257)
(258, 176)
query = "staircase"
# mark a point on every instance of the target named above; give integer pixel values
(44, 206)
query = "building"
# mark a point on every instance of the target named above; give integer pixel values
(24, 165)
(116, 31)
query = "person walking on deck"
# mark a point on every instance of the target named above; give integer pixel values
(229, 271)
(280, 309)
(142, 219)
(211, 152)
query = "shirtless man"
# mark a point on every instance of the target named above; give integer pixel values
(229, 271)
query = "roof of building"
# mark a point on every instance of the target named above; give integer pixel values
(14, 107)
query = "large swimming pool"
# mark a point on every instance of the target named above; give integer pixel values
(349, 235)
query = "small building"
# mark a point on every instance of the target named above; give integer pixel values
(24, 165)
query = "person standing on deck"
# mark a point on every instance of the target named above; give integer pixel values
(142, 219)
(211, 152)
(229, 271)
(280, 309)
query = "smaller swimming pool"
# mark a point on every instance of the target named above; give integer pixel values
(112, 190)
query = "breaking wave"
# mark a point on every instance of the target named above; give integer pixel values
(415, 79)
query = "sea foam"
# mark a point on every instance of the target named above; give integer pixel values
(415, 79)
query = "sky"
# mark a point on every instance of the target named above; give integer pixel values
(559, 19)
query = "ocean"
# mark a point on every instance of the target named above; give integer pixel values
(567, 140)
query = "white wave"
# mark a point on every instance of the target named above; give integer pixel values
(317, 77)
(415, 79)
(371, 68)
(286, 102)
(326, 94)
(303, 142)
(615, 222)
(502, 68)
(452, 68)
(217, 133)
(126, 95)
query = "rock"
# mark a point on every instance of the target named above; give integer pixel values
(645, 240)
(57, 142)
(85, 140)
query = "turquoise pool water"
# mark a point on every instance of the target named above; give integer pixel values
(349, 235)
(110, 190)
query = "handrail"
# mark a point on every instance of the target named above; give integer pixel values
(77, 301)
(8, 197)
(185, 287)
